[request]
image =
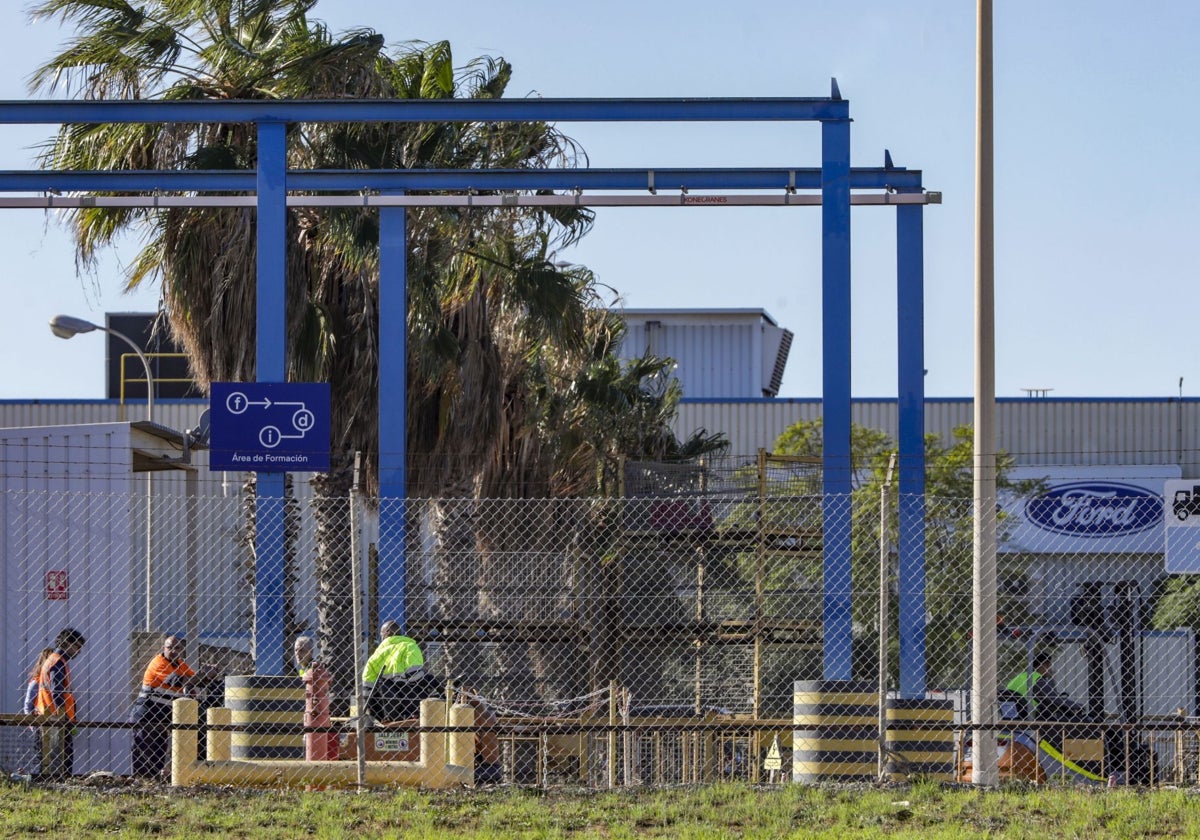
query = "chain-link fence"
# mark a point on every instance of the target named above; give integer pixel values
(676, 634)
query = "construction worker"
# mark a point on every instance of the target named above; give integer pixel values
(395, 655)
(166, 679)
(396, 678)
(55, 697)
(1042, 696)
(318, 682)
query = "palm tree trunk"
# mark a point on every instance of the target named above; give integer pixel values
(335, 591)
(455, 584)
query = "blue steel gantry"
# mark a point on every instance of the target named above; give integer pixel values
(271, 188)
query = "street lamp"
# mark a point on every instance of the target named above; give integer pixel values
(65, 326)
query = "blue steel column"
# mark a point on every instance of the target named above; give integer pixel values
(910, 296)
(835, 370)
(393, 408)
(269, 653)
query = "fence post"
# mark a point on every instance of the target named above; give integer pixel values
(884, 509)
(612, 734)
(627, 737)
(359, 604)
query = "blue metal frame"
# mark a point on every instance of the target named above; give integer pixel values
(761, 109)
(457, 179)
(393, 414)
(910, 577)
(835, 406)
(835, 178)
(271, 366)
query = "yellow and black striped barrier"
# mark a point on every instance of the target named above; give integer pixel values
(258, 701)
(920, 740)
(837, 731)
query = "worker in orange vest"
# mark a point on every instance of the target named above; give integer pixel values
(167, 678)
(55, 697)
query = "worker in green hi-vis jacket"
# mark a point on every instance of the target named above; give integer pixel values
(395, 655)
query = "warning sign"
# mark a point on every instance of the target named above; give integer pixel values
(391, 741)
(56, 585)
(774, 760)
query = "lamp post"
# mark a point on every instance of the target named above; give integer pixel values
(66, 326)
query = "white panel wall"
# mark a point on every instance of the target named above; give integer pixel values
(719, 352)
(67, 507)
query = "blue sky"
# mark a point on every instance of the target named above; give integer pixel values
(1097, 215)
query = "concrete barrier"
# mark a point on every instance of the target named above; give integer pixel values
(447, 759)
(920, 739)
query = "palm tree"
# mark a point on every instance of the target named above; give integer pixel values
(539, 555)
(459, 276)
(512, 381)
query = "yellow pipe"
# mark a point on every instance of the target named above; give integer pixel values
(431, 772)
(184, 742)
(433, 744)
(220, 742)
(462, 744)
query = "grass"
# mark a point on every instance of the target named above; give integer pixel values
(926, 811)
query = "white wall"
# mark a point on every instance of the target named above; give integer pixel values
(67, 506)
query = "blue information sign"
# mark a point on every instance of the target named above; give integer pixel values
(269, 426)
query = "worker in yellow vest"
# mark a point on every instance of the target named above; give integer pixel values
(1041, 693)
(395, 655)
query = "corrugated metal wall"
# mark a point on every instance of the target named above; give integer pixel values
(1034, 431)
(175, 414)
(715, 360)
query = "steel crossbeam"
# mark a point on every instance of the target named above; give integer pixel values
(718, 109)
(478, 180)
(463, 200)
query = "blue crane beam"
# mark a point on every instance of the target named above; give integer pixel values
(483, 180)
(774, 109)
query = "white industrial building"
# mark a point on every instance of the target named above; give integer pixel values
(736, 353)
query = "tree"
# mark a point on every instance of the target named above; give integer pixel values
(949, 493)
(498, 334)
(585, 413)
(465, 266)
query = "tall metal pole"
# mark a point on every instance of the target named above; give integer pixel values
(357, 556)
(149, 623)
(983, 654)
(270, 366)
(884, 509)
(836, 615)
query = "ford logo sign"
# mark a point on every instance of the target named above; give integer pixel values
(1095, 509)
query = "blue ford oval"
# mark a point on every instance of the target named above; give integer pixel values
(1095, 509)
